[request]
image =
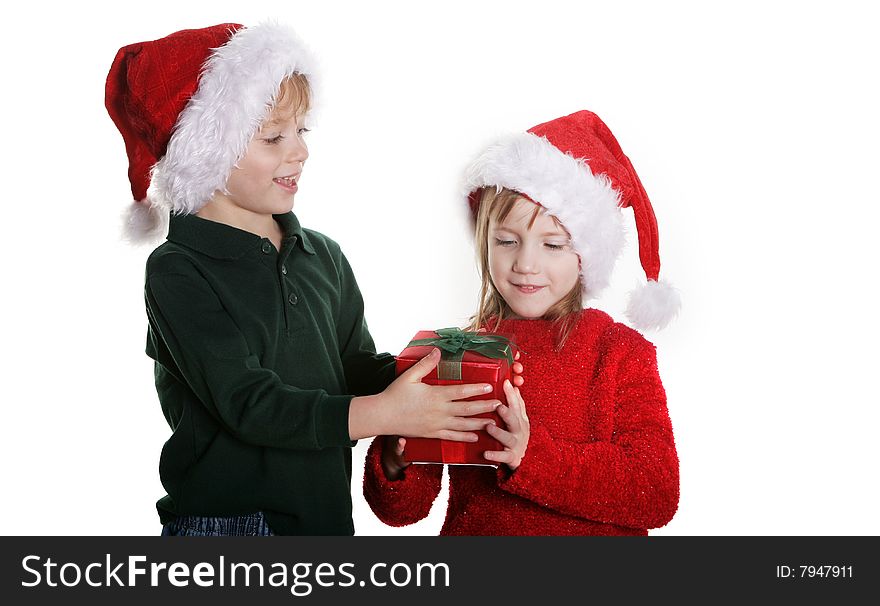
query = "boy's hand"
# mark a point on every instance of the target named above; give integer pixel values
(516, 438)
(413, 409)
(392, 457)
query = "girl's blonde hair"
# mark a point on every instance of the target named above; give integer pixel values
(496, 203)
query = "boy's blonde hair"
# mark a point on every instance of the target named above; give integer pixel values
(496, 203)
(294, 97)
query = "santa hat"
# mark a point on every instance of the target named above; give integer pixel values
(574, 168)
(187, 106)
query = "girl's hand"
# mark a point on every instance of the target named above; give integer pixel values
(516, 438)
(392, 457)
(517, 372)
(517, 367)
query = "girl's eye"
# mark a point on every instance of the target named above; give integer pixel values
(302, 131)
(274, 140)
(501, 242)
(557, 246)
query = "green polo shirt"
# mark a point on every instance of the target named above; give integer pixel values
(258, 354)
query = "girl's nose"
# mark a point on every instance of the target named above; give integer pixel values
(525, 261)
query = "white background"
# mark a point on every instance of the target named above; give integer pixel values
(754, 131)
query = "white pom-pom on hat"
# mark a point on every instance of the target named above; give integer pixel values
(653, 305)
(144, 223)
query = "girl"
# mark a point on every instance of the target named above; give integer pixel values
(595, 454)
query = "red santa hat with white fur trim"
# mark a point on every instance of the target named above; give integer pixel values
(187, 106)
(574, 167)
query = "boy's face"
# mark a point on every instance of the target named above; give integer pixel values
(534, 267)
(266, 179)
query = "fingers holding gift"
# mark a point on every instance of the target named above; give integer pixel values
(452, 420)
(399, 446)
(510, 418)
(393, 462)
(515, 438)
(503, 456)
(517, 369)
(456, 436)
(507, 438)
(468, 390)
(517, 374)
(474, 407)
(516, 403)
(423, 367)
(468, 423)
(514, 447)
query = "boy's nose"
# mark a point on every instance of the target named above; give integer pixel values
(298, 152)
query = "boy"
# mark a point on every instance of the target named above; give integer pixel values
(264, 366)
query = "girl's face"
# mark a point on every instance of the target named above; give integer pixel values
(266, 178)
(532, 268)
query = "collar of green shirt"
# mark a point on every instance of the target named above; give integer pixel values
(222, 241)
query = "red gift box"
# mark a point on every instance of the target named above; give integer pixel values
(461, 363)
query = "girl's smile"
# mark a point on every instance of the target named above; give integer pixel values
(528, 288)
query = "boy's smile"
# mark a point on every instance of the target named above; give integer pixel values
(288, 183)
(532, 267)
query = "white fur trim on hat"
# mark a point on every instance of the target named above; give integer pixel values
(586, 204)
(212, 133)
(653, 305)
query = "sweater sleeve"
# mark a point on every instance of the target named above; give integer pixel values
(631, 480)
(214, 360)
(405, 500)
(366, 372)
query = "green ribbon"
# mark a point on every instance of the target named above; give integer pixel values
(453, 342)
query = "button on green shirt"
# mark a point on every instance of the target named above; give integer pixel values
(258, 354)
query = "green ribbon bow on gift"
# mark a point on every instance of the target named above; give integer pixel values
(453, 342)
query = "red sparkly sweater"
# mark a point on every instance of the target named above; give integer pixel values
(601, 457)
